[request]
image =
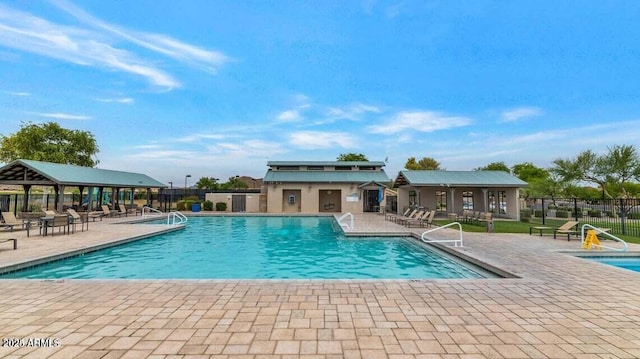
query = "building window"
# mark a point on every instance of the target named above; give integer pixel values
(288, 168)
(412, 198)
(441, 201)
(315, 168)
(343, 168)
(497, 199)
(367, 168)
(292, 199)
(467, 200)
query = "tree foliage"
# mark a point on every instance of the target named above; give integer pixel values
(426, 163)
(344, 157)
(50, 143)
(528, 172)
(233, 183)
(207, 183)
(495, 166)
(611, 171)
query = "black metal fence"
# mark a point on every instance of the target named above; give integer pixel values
(621, 215)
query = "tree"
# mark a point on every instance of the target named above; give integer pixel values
(51, 143)
(528, 172)
(611, 171)
(426, 163)
(207, 183)
(538, 179)
(352, 157)
(234, 182)
(494, 166)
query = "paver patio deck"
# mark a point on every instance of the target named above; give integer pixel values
(559, 307)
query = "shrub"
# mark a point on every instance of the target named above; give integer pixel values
(595, 213)
(207, 206)
(525, 213)
(180, 206)
(538, 213)
(188, 203)
(633, 215)
(562, 214)
(221, 206)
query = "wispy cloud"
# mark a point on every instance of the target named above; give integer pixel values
(516, 114)
(201, 136)
(95, 45)
(289, 116)
(353, 112)
(125, 100)
(422, 121)
(319, 139)
(17, 93)
(64, 116)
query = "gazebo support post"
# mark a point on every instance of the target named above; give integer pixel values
(25, 200)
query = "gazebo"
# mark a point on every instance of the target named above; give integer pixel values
(28, 173)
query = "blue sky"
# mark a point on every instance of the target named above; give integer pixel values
(218, 88)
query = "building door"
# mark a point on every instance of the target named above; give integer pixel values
(238, 203)
(371, 203)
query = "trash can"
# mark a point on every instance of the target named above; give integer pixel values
(195, 207)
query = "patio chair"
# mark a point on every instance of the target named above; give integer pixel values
(419, 220)
(568, 229)
(77, 218)
(392, 216)
(109, 212)
(126, 211)
(60, 221)
(10, 221)
(413, 214)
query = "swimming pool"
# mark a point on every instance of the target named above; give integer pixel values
(626, 262)
(257, 248)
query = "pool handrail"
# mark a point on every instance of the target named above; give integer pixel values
(349, 225)
(600, 231)
(156, 212)
(173, 215)
(454, 241)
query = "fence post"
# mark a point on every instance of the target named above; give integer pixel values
(623, 217)
(544, 212)
(575, 208)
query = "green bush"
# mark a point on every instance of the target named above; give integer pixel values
(207, 206)
(221, 206)
(188, 203)
(525, 213)
(180, 206)
(595, 213)
(562, 214)
(538, 213)
(633, 215)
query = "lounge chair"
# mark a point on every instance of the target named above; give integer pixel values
(77, 218)
(568, 229)
(60, 221)
(419, 220)
(428, 221)
(15, 242)
(392, 216)
(125, 211)
(49, 213)
(10, 221)
(109, 212)
(413, 214)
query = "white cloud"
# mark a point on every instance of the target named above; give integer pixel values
(422, 121)
(18, 93)
(125, 100)
(319, 139)
(64, 116)
(353, 112)
(200, 137)
(94, 46)
(289, 116)
(516, 114)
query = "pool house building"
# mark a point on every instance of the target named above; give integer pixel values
(325, 186)
(452, 192)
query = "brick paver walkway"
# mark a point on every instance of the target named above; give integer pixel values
(559, 307)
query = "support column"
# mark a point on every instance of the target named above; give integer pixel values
(485, 197)
(149, 200)
(60, 199)
(452, 208)
(25, 200)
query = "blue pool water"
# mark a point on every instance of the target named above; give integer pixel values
(257, 248)
(631, 263)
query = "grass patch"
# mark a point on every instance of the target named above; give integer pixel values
(521, 227)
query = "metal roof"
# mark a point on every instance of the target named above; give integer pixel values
(326, 163)
(21, 172)
(458, 179)
(326, 176)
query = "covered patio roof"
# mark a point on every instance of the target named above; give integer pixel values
(28, 172)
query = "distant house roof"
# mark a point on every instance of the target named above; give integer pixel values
(326, 176)
(326, 163)
(458, 179)
(21, 172)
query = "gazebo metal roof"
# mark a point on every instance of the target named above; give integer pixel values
(458, 178)
(28, 172)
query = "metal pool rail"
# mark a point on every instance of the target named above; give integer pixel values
(454, 241)
(602, 231)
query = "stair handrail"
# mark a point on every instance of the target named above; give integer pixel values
(349, 225)
(454, 241)
(176, 217)
(601, 231)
